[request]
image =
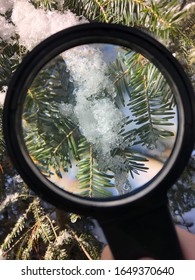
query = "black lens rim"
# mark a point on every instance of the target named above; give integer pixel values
(87, 34)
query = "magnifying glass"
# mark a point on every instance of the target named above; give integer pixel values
(99, 120)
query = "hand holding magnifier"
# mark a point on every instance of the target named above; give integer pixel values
(99, 120)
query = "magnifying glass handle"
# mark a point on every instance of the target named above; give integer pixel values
(151, 235)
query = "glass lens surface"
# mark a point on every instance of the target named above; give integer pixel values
(100, 121)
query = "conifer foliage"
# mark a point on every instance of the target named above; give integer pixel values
(31, 228)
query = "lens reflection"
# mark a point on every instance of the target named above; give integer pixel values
(99, 120)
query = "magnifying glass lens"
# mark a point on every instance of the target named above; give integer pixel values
(100, 121)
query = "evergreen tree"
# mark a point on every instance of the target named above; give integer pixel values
(33, 229)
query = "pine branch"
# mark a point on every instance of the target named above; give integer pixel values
(87, 243)
(11, 199)
(121, 80)
(18, 228)
(150, 99)
(92, 9)
(56, 250)
(10, 57)
(161, 20)
(15, 251)
(92, 182)
(51, 139)
(136, 163)
(46, 4)
(43, 227)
